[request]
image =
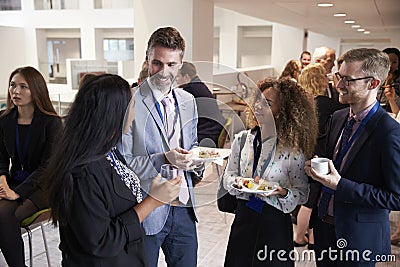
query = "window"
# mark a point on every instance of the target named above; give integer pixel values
(118, 49)
(10, 5)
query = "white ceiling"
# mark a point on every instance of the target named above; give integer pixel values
(380, 17)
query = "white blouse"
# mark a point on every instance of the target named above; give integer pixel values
(286, 168)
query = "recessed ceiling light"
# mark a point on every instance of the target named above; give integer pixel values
(339, 15)
(349, 21)
(355, 26)
(367, 32)
(325, 5)
(361, 30)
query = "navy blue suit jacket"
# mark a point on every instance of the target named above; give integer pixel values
(370, 184)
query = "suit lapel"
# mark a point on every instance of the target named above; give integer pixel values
(361, 139)
(184, 116)
(10, 133)
(148, 101)
(336, 131)
(120, 187)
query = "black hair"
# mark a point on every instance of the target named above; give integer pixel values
(93, 126)
(393, 50)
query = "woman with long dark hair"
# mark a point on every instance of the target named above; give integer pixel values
(95, 198)
(28, 127)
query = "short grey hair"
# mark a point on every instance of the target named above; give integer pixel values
(320, 53)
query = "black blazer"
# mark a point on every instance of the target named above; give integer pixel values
(103, 229)
(210, 121)
(45, 128)
(370, 184)
(325, 108)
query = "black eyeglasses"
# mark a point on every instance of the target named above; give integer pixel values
(347, 81)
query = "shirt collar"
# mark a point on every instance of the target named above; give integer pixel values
(362, 114)
(158, 96)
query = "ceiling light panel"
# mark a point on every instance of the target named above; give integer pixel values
(325, 5)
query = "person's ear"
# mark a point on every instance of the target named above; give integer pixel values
(187, 77)
(374, 84)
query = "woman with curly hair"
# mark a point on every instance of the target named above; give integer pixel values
(274, 150)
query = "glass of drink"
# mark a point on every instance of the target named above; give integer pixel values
(168, 171)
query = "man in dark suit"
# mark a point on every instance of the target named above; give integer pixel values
(211, 120)
(352, 227)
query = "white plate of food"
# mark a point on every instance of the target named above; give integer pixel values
(247, 185)
(208, 154)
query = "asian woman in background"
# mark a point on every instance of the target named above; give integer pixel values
(28, 128)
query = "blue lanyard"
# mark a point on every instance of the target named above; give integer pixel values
(22, 154)
(159, 111)
(340, 157)
(257, 157)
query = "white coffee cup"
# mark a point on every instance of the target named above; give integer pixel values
(320, 165)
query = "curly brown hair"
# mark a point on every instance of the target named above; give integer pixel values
(296, 122)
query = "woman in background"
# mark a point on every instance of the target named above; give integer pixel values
(305, 59)
(388, 94)
(95, 198)
(264, 220)
(291, 70)
(28, 127)
(314, 81)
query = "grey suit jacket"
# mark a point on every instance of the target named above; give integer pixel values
(144, 146)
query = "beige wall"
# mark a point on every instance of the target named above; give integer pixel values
(12, 53)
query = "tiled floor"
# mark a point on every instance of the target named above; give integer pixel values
(213, 230)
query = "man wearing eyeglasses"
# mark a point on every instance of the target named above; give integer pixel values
(351, 222)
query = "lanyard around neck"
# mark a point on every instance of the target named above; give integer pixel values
(338, 161)
(257, 155)
(22, 153)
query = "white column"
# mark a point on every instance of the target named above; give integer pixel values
(86, 4)
(228, 36)
(88, 44)
(194, 19)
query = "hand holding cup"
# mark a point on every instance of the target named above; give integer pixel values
(320, 165)
(165, 191)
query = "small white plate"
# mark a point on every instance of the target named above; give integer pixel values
(222, 152)
(254, 190)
